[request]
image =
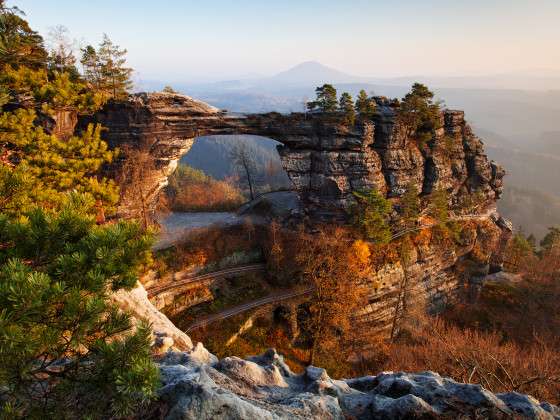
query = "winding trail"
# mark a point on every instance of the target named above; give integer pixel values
(206, 277)
(278, 296)
(227, 313)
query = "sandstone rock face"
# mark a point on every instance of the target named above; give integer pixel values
(325, 159)
(198, 386)
(436, 273)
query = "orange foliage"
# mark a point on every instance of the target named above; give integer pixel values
(192, 190)
(467, 355)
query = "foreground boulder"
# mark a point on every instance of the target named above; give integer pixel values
(198, 386)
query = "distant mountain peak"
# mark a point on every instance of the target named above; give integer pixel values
(312, 72)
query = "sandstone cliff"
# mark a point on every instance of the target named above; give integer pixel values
(325, 159)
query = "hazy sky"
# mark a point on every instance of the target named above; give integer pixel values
(182, 40)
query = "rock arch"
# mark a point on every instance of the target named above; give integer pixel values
(325, 159)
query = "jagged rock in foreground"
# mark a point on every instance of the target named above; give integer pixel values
(166, 335)
(198, 386)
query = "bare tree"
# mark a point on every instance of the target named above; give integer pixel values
(61, 48)
(139, 166)
(243, 158)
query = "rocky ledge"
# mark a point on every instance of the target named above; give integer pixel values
(198, 386)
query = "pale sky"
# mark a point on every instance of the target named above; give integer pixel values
(187, 40)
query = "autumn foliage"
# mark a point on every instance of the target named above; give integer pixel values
(192, 190)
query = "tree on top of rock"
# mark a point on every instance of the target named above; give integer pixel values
(105, 69)
(346, 105)
(61, 52)
(365, 107)
(19, 44)
(326, 100)
(420, 113)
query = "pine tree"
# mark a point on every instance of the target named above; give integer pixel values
(91, 67)
(365, 107)
(410, 204)
(105, 70)
(420, 113)
(65, 352)
(116, 77)
(19, 44)
(370, 215)
(326, 100)
(439, 205)
(56, 166)
(346, 106)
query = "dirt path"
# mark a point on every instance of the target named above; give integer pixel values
(227, 313)
(154, 291)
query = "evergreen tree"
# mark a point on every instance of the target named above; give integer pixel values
(91, 67)
(518, 250)
(439, 210)
(420, 113)
(365, 107)
(54, 166)
(117, 77)
(410, 204)
(326, 100)
(48, 93)
(105, 69)
(65, 352)
(19, 44)
(370, 215)
(439, 206)
(551, 239)
(346, 106)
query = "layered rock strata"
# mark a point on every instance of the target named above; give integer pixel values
(325, 159)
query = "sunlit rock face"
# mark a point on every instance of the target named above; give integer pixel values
(325, 159)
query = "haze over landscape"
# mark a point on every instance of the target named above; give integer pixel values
(313, 209)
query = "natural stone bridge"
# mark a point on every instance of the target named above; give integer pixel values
(325, 159)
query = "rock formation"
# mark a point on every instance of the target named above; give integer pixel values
(325, 159)
(198, 386)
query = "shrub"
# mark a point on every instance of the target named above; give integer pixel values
(472, 356)
(192, 190)
(370, 214)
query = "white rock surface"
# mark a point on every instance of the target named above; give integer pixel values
(198, 386)
(166, 334)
